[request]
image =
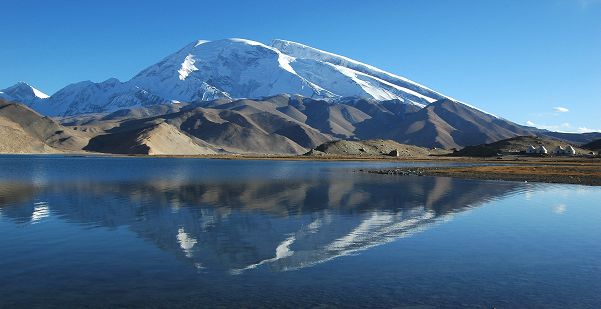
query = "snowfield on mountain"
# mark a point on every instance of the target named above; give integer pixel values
(231, 68)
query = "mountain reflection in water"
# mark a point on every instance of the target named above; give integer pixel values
(237, 225)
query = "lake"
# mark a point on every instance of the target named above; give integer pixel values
(162, 232)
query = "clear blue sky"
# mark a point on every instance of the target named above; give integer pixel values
(517, 59)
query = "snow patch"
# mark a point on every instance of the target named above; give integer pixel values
(284, 61)
(281, 251)
(473, 107)
(200, 42)
(187, 67)
(186, 242)
(38, 93)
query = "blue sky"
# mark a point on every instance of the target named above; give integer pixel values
(536, 62)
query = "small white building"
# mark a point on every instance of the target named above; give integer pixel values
(570, 151)
(542, 150)
(530, 149)
(559, 150)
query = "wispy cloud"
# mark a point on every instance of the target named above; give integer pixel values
(587, 3)
(587, 130)
(562, 127)
(560, 109)
(554, 112)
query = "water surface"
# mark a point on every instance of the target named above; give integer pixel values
(142, 232)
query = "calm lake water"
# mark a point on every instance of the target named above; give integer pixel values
(141, 232)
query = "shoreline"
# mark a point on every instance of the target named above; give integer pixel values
(564, 170)
(583, 174)
(508, 160)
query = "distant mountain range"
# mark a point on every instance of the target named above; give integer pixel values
(237, 95)
(281, 124)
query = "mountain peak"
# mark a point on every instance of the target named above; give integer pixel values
(22, 92)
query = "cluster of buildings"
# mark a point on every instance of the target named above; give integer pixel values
(559, 150)
(536, 150)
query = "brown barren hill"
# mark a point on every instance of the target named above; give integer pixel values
(594, 145)
(371, 148)
(157, 138)
(24, 131)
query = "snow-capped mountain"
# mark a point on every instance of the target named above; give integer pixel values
(236, 67)
(22, 92)
(233, 68)
(89, 97)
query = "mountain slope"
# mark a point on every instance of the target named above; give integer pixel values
(294, 124)
(374, 82)
(370, 148)
(25, 131)
(594, 145)
(450, 124)
(576, 138)
(233, 131)
(155, 138)
(243, 126)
